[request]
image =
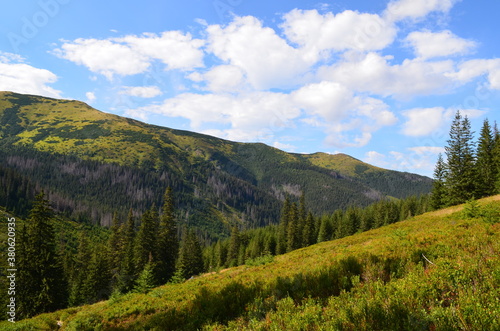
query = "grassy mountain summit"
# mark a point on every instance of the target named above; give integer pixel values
(73, 127)
(436, 271)
(93, 163)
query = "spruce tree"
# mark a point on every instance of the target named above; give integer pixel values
(439, 195)
(80, 271)
(145, 243)
(308, 232)
(281, 247)
(301, 218)
(460, 177)
(127, 271)
(234, 247)
(349, 223)
(116, 248)
(486, 169)
(190, 260)
(168, 243)
(146, 280)
(325, 229)
(41, 284)
(496, 156)
(97, 284)
(220, 253)
(293, 239)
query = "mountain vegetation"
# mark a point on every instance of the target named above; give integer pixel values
(71, 267)
(92, 165)
(437, 271)
(471, 169)
(203, 233)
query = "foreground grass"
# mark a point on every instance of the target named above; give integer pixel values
(437, 271)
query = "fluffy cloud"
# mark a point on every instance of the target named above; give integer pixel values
(141, 91)
(423, 121)
(249, 116)
(16, 76)
(347, 30)
(223, 78)
(416, 9)
(471, 69)
(434, 44)
(265, 58)
(104, 57)
(348, 120)
(132, 55)
(373, 73)
(329, 100)
(175, 49)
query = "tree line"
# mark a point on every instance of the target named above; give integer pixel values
(298, 228)
(471, 169)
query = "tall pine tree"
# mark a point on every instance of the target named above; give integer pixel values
(190, 261)
(97, 283)
(496, 156)
(168, 243)
(41, 284)
(234, 247)
(485, 164)
(145, 243)
(438, 195)
(281, 247)
(460, 177)
(127, 271)
(79, 271)
(294, 239)
(308, 231)
(116, 248)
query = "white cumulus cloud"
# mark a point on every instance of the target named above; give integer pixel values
(347, 30)
(435, 44)
(248, 116)
(375, 74)
(423, 121)
(132, 55)
(16, 76)
(265, 58)
(416, 9)
(471, 69)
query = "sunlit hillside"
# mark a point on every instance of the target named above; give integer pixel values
(437, 271)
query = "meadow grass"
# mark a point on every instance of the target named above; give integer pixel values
(437, 271)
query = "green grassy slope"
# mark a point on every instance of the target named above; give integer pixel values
(437, 271)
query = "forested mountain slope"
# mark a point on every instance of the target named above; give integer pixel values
(92, 163)
(436, 271)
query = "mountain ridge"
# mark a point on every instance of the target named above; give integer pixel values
(336, 159)
(234, 183)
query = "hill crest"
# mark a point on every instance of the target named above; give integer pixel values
(238, 183)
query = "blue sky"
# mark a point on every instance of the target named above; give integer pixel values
(378, 80)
